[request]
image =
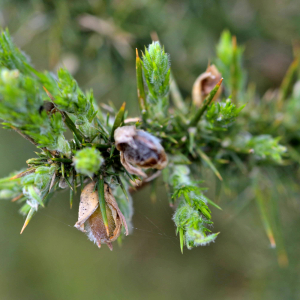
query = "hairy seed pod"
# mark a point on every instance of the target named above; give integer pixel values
(90, 218)
(205, 83)
(139, 148)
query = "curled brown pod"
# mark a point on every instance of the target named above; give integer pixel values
(90, 218)
(205, 83)
(140, 148)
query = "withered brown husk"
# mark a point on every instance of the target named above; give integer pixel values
(205, 83)
(90, 218)
(140, 148)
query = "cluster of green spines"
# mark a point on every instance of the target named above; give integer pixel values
(71, 99)
(11, 57)
(10, 189)
(267, 147)
(87, 161)
(193, 216)
(222, 114)
(156, 67)
(229, 63)
(21, 107)
(262, 148)
(36, 186)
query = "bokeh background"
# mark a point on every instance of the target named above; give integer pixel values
(95, 40)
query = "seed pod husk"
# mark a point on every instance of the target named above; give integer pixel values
(90, 218)
(140, 148)
(205, 83)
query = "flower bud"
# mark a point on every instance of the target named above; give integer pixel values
(90, 218)
(87, 161)
(205, 83)
(140, 148)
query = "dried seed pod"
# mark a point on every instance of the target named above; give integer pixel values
(140, 148)
(90, 218)
(205, 83)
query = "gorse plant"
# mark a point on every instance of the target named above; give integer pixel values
(172, 137)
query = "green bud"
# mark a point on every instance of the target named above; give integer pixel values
(28, 179)
(87, 161)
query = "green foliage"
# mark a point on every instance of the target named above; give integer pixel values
(219, 133)
(10, 189)
(156, 70)
(229, 63)
(35, 190)
(87, 161)
(266, 147)
(21, 107)
(11, 57)
(222, 114)
(72, 100)
(156, 67)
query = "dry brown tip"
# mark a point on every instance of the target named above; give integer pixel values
(107, 229)
(110, 246)
(234, 42)
(208, 64)
(154, 36)
(220, 82)
(24, 226)
(17, 198)
(48, 93)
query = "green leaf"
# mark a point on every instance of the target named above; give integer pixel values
(34, 195)
(28, 218)
(181, 237)
(118, 121)
(209, 162)
(140, 85)
(102, 203)
(211, 202)
(262, 205)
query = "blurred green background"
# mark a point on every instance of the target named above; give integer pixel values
(95, 40)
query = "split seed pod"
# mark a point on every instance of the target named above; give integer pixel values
(205, 83)
(140, 148)
(90, 218)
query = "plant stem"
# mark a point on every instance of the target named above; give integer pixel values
(65, 160)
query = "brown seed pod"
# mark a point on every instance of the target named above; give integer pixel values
(140, 148)
(205, 83)
(90, 218)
